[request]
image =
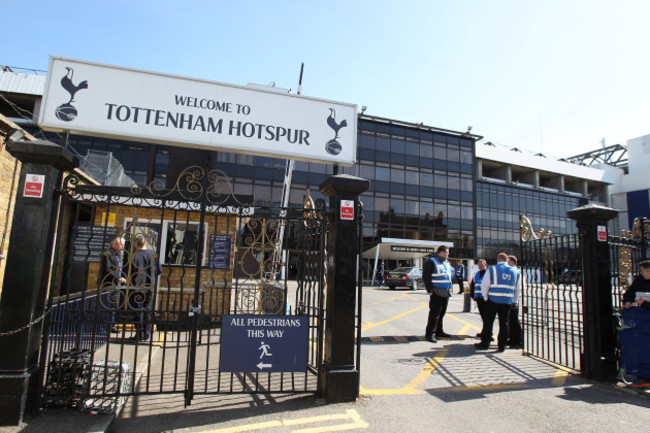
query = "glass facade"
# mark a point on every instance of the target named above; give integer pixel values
(498, 209)
(422, 185)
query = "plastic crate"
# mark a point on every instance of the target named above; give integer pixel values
(68, 378)
(109, 382)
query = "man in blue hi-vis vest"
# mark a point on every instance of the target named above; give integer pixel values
(438, 275)
(499, 290)
(476, 292)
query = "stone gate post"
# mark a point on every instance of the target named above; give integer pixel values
(339, 380)
(27, 275)
(598, 358)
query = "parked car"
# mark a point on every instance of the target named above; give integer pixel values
(404, 277)
(569, 276)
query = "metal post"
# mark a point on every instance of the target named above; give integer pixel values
(598, 358)
(339, 380)
(27, 278)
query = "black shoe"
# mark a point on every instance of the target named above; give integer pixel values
(430, 338)
(481, 346)
(501, 349)
(443, 335)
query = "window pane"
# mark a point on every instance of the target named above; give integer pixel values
(412, 178)
(381, 204)
(397, 175)
(426, 151)
(440, 152)
(382, 173)
(383, 143)
(397, 146)
(440, 181)
(182, 243)
(453, 154)
(426, 179)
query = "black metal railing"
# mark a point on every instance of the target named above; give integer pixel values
(552, 318)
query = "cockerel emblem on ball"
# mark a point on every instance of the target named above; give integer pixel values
(333, 147)
(67, 112)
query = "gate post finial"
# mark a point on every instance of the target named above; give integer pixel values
(339, 380)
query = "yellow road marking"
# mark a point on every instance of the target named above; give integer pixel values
(410, 388)
(350, 414)
(497, 386)
(427, 370)
(161, 339)
(386, 300)
(392, 318)
(559, 379)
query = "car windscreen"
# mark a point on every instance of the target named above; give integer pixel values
(402, 270)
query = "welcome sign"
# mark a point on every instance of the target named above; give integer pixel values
(110, 101)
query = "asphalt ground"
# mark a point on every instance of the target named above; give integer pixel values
(407, 384)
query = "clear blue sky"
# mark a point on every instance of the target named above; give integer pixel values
(555, 76)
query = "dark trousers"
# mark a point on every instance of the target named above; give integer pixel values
(140, 305)
(515, 337)
(492, 309)
(480, 303)
(461, 285)
(437, 310)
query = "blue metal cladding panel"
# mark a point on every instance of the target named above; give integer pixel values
(638, 205)
(635, 342)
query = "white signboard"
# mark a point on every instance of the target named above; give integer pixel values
(93, 99)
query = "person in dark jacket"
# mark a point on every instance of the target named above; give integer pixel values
(641, 283)
(475, 290)
(144, 279)
(112, 278)
(380, 274)
(438, 276)
(460, 277)
(515, 335)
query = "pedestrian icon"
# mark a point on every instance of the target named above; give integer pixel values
(265, 350)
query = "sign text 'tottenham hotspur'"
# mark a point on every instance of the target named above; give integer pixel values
(194, 122)
(116, 102)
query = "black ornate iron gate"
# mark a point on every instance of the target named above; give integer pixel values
(552, 297)
(108, 336)
(553, 317)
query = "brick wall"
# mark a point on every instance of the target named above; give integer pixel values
(176, 283)
(9, 176)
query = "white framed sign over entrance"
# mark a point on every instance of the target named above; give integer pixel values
(110, 101)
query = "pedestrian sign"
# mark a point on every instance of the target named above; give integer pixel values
(255, 343)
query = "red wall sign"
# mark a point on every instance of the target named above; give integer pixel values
(347, 209)
(34, 185)
(602, 233)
